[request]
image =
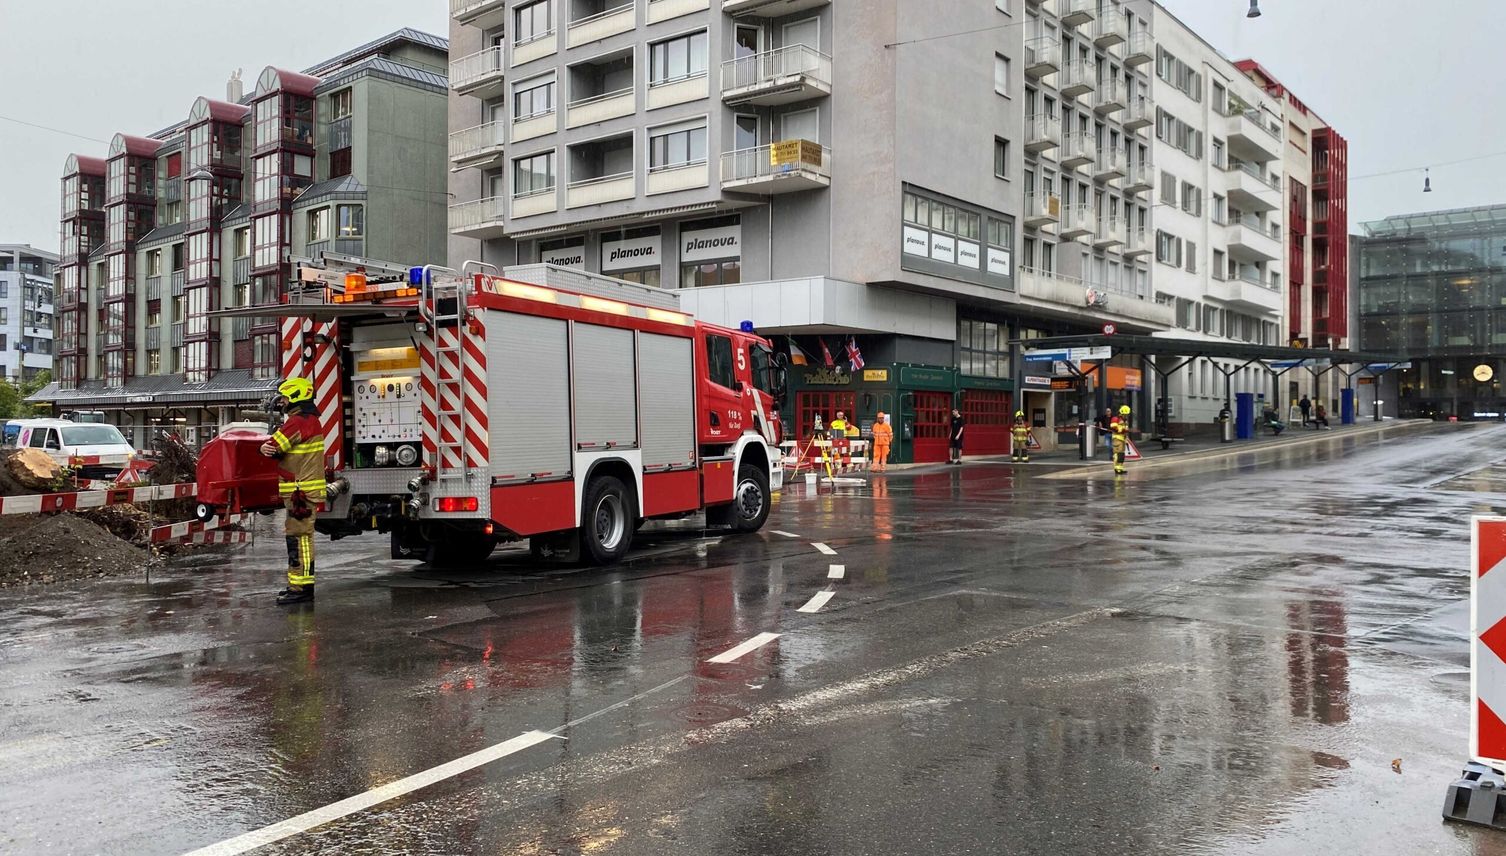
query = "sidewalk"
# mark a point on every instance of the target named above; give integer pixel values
(1197, 447)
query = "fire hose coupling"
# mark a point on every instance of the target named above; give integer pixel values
(338, 487)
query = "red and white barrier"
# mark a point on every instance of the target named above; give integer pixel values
(1487, 654)
(218, 536)
(174, 531)
(51, 503)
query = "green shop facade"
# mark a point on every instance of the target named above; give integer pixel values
(918, 398)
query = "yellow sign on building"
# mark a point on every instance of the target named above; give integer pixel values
(795, 153)
(876, 375)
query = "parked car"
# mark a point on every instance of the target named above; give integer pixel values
(95, 451)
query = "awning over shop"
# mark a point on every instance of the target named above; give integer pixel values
(1158, 346)
(231, 385)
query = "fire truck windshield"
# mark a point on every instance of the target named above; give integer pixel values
(768, 375)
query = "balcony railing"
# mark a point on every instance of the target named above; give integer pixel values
(1042, 56)
(1042, 132)
(476, 68)
(1112, 298)
(800, 70)
(153, 338)
(1141, 49)
(599, 108)
(1077, 149)
(1110, 29)
(177, 335)
(482, 212)
(1138, 113)
(795, 164)
(1270, 180)
(1078, 77)
(240, 271)
(340, 134)
(172, 189)
(463, 10)
(154, 288)
(609, 22)
(177, 283)
(1074, 12)
(478, 141)
(1042, 208)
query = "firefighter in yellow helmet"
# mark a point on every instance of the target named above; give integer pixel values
(1019, 433)
(1119, 428)
(299, 447)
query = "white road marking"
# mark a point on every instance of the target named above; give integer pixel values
(753, 644)
(815, 603)
(783, 534)
(376, 796)
(836, 572)
(822, 548)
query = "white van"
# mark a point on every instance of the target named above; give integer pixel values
(104, 450)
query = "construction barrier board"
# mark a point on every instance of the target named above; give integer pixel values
(1487, 652)
(74, 500)
(174, 531)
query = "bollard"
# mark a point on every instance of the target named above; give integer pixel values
(1477, 797)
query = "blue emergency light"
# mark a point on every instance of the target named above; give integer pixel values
(746, 326)
(416, 276)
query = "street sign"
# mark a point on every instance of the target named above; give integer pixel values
(1487, 654)
(1046, 356)
(1109, 329)
(1079, 355)
(1291, 364)
(1377, 368)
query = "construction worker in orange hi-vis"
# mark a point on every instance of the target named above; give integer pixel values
(1119, 425)
(883, 435)
(1019, 434)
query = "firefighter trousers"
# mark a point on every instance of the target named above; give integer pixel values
(1019, 450)
(298, 531)
(1119, 455)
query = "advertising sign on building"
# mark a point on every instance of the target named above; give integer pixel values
(572, 256)
(998, 261)
(724, 242)
(943, 247)
(793, 153)
(631, 253)
(917, 241)
(967, 253)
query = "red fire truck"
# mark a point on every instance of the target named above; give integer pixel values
(467, 409)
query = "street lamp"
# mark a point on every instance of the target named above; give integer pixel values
(1254, 9)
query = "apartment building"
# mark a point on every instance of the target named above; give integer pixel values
(26, 310)
(346, 156)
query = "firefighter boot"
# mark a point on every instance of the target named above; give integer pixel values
(300, 571)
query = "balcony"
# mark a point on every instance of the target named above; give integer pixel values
(534, 125)
(1251, 240)
(669, 179)
(172, 189)
(536, 47)
(593, 22)
(1249, 135)
(1251, 188)
(479, 74)
(1075, 298)
(1248, 291)
(1110, 29)
(680, 90)
(601, 190)
(154, 288)
(770, 8)
(782, 76)
(1042, 209)
(177, 283)
(1043, 56)
(1077, 149)
(153, 338)
(1140, 50)
(1109, 233)
(1136, 243)
(1042, 132)
(483, 14)
(1139, 176)
(240, 271)
(1112, 96)
(1077, 221)
(1077, 12)
(539, 202)
(599, 108)
(784, 167)
(1138, 113)
(478, 146)
(666, 10)
(177, 335)
(343, 246)
(1109, 165)
(1078, 78)
(483, 218)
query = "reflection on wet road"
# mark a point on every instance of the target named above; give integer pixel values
(1220, 657)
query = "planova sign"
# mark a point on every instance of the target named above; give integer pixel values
(724, 242)
(631, 253)
(573, 256)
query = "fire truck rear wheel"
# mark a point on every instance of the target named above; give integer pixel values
(607, 520)
(750, 501)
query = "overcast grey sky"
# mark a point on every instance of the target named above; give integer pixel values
(1409, 83)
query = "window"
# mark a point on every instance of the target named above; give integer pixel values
(339, 104)
(350, 221)
(1192, 199)
(153, 266)
(1220, 209)
(532, 175)
(1218, 153)
(243, 242)
(1168, 188)
(154, 361)
(984, 348)
(1000, 234)
(1168, 248)
(339, 162)
(1001, 157)
(533, 98)
(1220, 266)
(1191, 255)
(719, 361)
(180, 305)
(672, 147)
(177, 257)
(319, 224)
(534, 21)
(677, 59)
(711, 273)
(1179, 74)
(1001, 74)
(154, 314)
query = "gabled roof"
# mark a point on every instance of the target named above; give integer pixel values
(83, 164)
(281, 80)
(126, 144)
(220, 111)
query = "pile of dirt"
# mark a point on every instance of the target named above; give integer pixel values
(58, 547)
(9, 485)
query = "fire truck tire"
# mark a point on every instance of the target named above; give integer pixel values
(750, 500)
(607, 517)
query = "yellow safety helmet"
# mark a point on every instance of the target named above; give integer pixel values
(1124, 410)
(296, 389)
(1019, 414)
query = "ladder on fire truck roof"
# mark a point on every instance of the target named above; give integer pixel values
(442, 306)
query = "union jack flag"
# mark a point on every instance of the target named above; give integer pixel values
(854, 356)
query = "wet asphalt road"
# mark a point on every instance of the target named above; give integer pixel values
(1220, 657)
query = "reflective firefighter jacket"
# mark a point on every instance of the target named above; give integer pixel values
(301, 440)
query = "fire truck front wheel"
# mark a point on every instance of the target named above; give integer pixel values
(750, 501)
(607, 518)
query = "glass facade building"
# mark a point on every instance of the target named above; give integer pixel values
(1433, 286)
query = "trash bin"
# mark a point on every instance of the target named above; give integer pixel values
(1090, 440)
(1225, 422)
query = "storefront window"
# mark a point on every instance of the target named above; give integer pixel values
(711, 273)
(983, 351)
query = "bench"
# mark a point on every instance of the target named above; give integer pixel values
(1165, 441)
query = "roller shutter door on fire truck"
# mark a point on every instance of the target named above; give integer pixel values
(606, 389)
(667, 373)
(528, 403)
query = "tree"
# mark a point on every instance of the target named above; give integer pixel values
(12, 397)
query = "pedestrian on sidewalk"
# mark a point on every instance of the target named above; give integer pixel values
(958, 423)
(883, 435)
(1105, 423)
(1320, 419)
(1306, 406)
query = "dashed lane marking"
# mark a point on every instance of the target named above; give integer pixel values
(822, 548)
(376, 796)
(836, 572)
(815, 603)
(783, 534)
(751, 645)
